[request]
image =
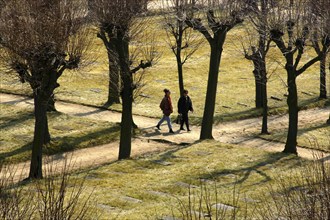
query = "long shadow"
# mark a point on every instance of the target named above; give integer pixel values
(68, 143)
(305, 130)
(249, 113)
(170, 153)
(270, 159)
(17, 101)
(23, 149)
(91, 112)
(65, 144)
(253, 112)
(18, 119)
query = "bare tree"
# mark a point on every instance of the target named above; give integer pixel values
(42, 39)
(213, 20)
(320, 18)
(125, 21)
(257, 53)
(181, 39)
(290, 30)
(101, 12)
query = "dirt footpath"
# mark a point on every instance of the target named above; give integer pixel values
(242, 132)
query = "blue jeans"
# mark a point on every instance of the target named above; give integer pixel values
(167, 118)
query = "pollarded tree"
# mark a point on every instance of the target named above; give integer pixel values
(41, 39)
(214, 19)
(101, 12)
(125, 21)
(257, 53)
(290, 29)
(180, 38)
(320, 17)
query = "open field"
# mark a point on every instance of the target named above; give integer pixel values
(235, 98)
(238, 167)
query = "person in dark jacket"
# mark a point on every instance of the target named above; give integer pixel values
(184, 106)
(167, 108)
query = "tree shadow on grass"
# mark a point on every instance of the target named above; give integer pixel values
(23, 149)
(68, 143)
(90, 139)
(11, 121)
(243, 173)
(96, 111)
(17, 101)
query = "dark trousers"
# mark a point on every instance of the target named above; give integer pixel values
(184, 120)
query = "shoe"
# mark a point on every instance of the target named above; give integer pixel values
(157, 126)
(188, 129)
(171, 131)
(182, 129)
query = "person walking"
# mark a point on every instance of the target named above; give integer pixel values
(184, 106)
(167, 108)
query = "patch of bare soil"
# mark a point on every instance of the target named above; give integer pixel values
(242, 132)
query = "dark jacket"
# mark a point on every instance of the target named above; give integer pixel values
(185, 105)
(166, 106)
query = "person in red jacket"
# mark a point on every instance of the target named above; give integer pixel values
(167, 108)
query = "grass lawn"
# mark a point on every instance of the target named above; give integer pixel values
(235, 96)
(67, 132)
(151, 187)
(314, 137)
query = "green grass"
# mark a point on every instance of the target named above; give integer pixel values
(235, 96)
(217, 165)
(67, 133)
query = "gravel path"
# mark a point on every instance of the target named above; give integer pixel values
(242, 132)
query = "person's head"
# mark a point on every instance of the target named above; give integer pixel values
(185, 92)
(167, 92)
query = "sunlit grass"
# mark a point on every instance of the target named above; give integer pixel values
(235, 95)
(148, 187)
(313, 137)
(67, 133)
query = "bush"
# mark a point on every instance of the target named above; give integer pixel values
(52, 198)
(304, 195)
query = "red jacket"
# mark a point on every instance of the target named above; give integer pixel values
(166, 106)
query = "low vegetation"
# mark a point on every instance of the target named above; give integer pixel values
(188, 182)
(313, 137)
(17, 133)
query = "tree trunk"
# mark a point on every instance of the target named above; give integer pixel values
(323, 86)
(47, 134)
(292, 101)
(40, 133)
(264, 127)
(207, 122)
(258, 83)
(127, 100)
(180, 73)
(178, 56)
(114, 87)
(51, 104)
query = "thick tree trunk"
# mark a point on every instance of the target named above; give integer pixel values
(127, 100)
(40, 135)
(207, 122)
(292, 101)
(323, 86)
(51, 104)
(114, 87)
